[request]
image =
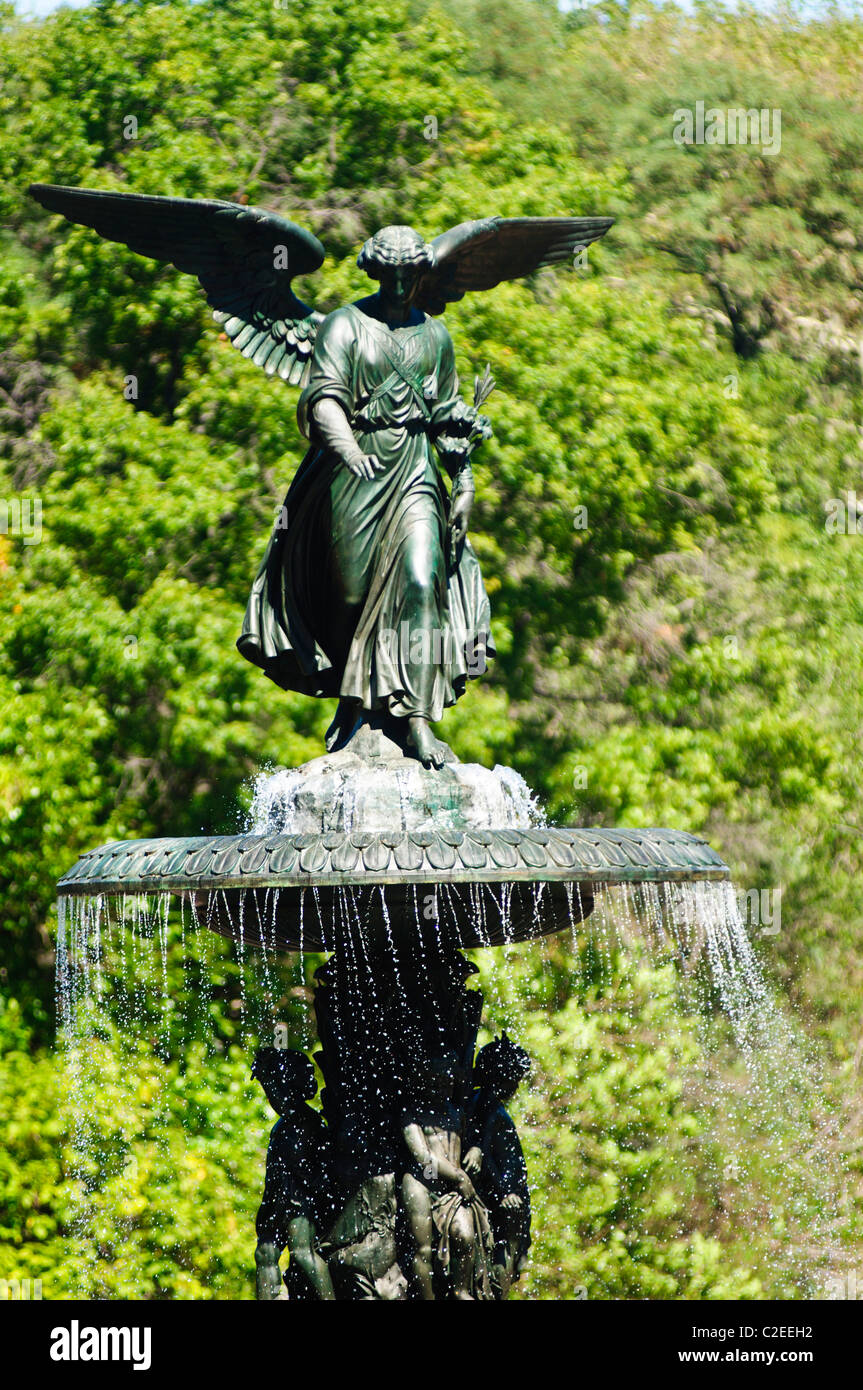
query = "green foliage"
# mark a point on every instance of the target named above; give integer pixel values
(128, 1223)
(613, 1146)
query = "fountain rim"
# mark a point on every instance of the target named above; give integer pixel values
(595, 856)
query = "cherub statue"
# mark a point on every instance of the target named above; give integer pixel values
(494, 1157)
(448, 1223)
(369, 590)
(297, 1188)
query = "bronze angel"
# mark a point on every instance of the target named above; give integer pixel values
(369, 591)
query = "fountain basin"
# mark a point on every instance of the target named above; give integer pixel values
(366, 846)
(256, 886)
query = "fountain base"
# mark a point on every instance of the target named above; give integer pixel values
(399, 1191)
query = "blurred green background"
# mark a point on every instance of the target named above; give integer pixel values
(686, 652)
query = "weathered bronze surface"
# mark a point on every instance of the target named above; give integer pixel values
(386, 869)
(369, 590)
(410, 1182)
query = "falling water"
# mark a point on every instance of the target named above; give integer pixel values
(526, 809)
(274, 802)
(769, 1145)
(155, 1006)
(380, 798)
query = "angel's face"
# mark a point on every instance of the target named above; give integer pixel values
(399, 283)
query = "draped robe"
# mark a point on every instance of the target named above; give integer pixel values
(356, 596)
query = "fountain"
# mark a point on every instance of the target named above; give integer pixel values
(386, 854)
(393, 869)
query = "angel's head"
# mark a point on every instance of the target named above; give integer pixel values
(398, 258)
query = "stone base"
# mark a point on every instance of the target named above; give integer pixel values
(374, 785)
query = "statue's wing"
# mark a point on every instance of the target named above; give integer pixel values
(245, 258)
(479, 255)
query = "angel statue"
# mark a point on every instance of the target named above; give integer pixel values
(369, 591)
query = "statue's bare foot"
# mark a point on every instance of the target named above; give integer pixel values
(430, 750)
(343, 725)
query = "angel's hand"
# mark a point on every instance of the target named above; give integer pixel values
(511, 1202)
(472, 1161)
(481, 429)
(459, 516)
(456, 425)
(363, 465)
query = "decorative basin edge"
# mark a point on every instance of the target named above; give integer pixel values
(538, 854)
